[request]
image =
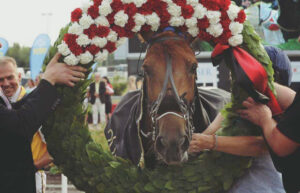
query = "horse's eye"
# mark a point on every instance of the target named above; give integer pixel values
(194, 68)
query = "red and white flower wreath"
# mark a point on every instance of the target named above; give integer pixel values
(99, 27)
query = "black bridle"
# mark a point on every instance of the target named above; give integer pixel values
(186, 109)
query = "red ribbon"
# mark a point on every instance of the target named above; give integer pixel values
(255, 72)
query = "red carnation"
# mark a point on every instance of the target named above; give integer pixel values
(223, 39)
(93, 49)
(187, 11)
(111, 18)
(130, 9)
(92, 31)
(180, 2)
(103, 31)
(183, 28)
(211, 4)
(120, 31)
(110, 46)
(97, 2)
(116, 5)
(70, 39)
(225, 21)
(205, 36)
(224, 4)
(203, 23)
(241, 17)
(76, 50)
(146, 8)
(130, 24)
(164, 18)
(146, 28)
(76, 15)
(93, 11)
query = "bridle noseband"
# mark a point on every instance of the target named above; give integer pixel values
(186, 109)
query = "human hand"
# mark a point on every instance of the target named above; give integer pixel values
(60, 73)
(96, 95)
(256, 113)
(201, 142)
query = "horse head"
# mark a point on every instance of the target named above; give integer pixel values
(170, 71)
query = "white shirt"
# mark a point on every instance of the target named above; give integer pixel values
(15, 97)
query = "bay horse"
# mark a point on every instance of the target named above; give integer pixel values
(156, 123)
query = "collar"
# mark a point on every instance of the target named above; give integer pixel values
(7, 103)
(15, 97)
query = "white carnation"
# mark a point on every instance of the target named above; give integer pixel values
(194, 31)
(75, 28)
(139, 19)
(153, 20)
(168, 1)
(101, 56)
(174, 9)
(83, 40)
(71, 60)
(100, 42)
(139, 3)
(121, 18)
(121, 41)
(112, 36)
(86, 57)
(233, 12)
(101, 20)
(193, 3)
(215, 30)
(236, 28)
(199, 11)
(85, 6)
(191, 22)
(213, 16)
(126, 1)
(176, 21)
(136, 28)
(63, 49)
(86, 21)
(235, 40)
(105, 8)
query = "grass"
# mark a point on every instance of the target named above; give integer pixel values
(98, 135)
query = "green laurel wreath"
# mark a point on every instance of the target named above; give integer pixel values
(94, 170)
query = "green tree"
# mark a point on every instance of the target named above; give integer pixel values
(20, 54)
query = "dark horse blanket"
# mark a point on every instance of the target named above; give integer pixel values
(123, 130)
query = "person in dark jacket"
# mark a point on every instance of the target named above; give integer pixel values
(97, 99)
(109, 91)
(19, 122)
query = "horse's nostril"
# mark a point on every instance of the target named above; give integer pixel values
(160, 143)
(184, 143)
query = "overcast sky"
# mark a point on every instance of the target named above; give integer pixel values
(22, 21)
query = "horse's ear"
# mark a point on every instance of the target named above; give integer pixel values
(145, 36)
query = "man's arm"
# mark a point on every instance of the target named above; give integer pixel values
(26, 120)
(261, 115)
(236, 145)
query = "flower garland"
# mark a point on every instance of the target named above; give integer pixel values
(99, 27)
